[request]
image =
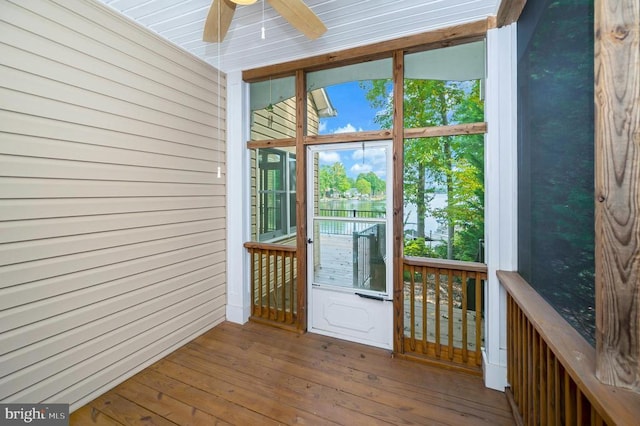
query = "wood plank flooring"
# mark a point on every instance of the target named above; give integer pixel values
(260, 375)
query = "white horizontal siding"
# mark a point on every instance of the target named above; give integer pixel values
(112, 216)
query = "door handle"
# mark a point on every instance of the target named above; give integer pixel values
(309, 241)
(374, 297)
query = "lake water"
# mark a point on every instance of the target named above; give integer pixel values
(346, 206)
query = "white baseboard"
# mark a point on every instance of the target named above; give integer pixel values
(495, 375)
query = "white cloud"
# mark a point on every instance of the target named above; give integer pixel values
(329, 157)
(371, 155)
(360, 168)
(347, 129)
(322, 127)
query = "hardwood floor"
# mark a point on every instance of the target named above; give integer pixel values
(260, 375)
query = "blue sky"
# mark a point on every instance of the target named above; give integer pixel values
(354, 114)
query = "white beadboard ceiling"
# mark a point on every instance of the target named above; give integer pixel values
(350, 23)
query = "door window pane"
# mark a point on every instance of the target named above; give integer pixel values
(350, 217)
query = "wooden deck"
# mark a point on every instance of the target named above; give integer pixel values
(260, 375)
(336, 260)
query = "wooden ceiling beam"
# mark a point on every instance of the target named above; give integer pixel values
(509, 12)
(444, 37)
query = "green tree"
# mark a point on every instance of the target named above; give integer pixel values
(378, 186)
(453, 164)
(333, 179)
(363, 186)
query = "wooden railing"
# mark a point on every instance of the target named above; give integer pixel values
(273, 282)
(551, 368)
(443, 311)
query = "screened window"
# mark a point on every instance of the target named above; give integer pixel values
(444, 176)
(273, 109)
(556, 157)
(350, 101)
(444, 197)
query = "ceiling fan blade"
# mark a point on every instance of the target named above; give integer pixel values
(300, 16)
(220, 12)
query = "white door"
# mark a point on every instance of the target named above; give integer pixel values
(349, 234)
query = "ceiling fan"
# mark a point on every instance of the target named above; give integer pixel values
(295, 12)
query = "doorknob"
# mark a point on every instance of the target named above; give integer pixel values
(309, 241)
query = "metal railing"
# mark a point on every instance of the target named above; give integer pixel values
(368, 257)
(367, 214)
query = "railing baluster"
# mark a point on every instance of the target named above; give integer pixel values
(465, 349)
(579, 418)
(283, 281)
(450, 318)
(479, 314)
(252, 258)
(425, 330)
(550, 387)
(437, 289)
(521, 358)
(268, 284)
(535, 376)
(527, 370)
(292, 284)
(510, 346)
(518, 356)
(543, 380)
(412, 308)
(569, 407)
(557, 391)
(260, 283)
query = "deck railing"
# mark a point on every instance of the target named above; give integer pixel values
(551, 368)
(368, 254)
(273, 282)
(443, 311)
(355, 213)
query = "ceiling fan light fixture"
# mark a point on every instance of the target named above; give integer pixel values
(244, 2)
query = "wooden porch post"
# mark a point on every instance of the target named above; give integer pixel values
(617, 164)
(301, 199)
(398, 197)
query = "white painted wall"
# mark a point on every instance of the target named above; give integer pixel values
(112, 218)
(500, 194)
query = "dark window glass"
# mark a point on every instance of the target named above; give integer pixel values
(556, 149)
(274, 202)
